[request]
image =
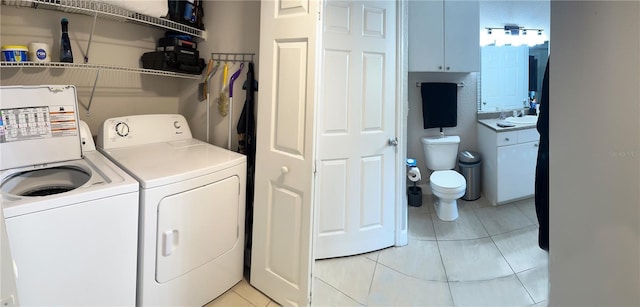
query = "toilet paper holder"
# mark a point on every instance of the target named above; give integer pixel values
(414, 193)
(413, 172)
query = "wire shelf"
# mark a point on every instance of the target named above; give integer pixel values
(98, 67)
(105, 11)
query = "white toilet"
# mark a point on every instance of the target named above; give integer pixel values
(447, 185)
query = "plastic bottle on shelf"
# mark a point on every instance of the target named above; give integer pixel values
(65, 44)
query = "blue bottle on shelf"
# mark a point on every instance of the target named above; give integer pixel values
(65, 44)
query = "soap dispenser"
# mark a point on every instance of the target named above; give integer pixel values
(66, 56)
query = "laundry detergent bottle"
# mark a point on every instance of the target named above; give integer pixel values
(65, 44)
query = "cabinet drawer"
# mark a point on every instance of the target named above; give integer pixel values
(507, 138)
(529, 135)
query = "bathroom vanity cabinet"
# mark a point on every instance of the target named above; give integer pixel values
(509, 162)
(443, 36)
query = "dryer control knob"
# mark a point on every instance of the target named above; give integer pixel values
(122, 129)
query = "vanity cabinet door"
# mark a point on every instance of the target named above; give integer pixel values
(516, 171)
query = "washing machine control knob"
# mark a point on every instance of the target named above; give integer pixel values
(122, 129)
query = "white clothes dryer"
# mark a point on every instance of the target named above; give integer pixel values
(192, 200)
(71, 214)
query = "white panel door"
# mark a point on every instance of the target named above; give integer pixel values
(356, 169)
(281, 251)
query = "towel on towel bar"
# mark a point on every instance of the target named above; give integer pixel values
(439, 104)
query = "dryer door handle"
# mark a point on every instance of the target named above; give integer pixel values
(169, 242)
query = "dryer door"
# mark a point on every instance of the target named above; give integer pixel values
(196, 226)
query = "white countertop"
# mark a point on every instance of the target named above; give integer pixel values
(493, 124)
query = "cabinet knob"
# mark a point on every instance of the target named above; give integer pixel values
(448, 68)
(284, 170)
(535, 145)
(506, 139)
(440, 67)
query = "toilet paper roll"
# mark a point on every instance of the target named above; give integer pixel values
(39, 52)
(414, 174)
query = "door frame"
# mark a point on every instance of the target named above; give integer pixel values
(402, 112)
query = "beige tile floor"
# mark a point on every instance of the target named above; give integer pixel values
(488, 257)
(242, 294)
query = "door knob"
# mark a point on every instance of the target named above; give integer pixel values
(393, 141)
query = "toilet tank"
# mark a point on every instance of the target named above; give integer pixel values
(440, 153)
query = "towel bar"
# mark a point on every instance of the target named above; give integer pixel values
(461, 84)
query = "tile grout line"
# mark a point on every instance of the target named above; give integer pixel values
(332, 286)
(525, 214)
(444, 268)
(494, 242)
(525, 288)
(247, 299)
(411, 276)
(373, 276)
(513, 270)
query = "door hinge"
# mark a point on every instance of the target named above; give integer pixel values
(319, 15)
(315, 167)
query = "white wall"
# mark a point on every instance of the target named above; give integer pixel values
(531, 14)
(595, 154)
(114, 43)
(467, 117)
(232, 26)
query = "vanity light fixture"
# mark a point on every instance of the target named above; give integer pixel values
(513, 30)
(513, 35)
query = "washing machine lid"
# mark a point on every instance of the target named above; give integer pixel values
(38, 125)
(106, 180)
(164, 163)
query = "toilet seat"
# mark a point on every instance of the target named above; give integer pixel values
(448, 181)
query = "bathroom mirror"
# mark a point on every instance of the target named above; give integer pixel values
(511, 76)
(503, 81)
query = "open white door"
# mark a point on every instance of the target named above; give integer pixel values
(356, 168)
(281, 251)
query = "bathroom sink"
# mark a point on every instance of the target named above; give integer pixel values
(527, 119)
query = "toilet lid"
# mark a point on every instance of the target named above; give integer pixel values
(448, 179)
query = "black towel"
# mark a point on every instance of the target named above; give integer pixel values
(439, 104)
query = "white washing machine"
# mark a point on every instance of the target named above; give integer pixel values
(71, 214)
(192, 200)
